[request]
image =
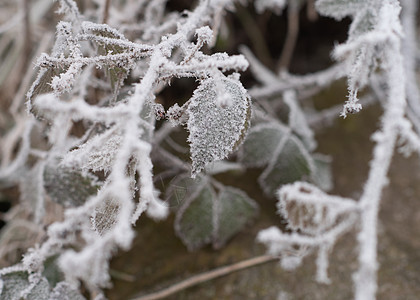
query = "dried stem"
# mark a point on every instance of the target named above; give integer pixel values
(291, 38)
(106, 11)
(206, 276)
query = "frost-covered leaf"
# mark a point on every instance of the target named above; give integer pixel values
(41, 85)
(339, 9)
(261, 144)
(115, 72)
(18, 284)
(13, 284)
(234, 209)
(69, 186)
(105, 215)
(215, 130)
(97, 154)
(63, 291)
(194, 220)
(310, 210)
(292, 163)
(40, 290)
(363, 22)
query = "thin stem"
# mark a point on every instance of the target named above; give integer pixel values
(206, 276)
(106, 11)
(253, 31)
(27, 45)
(365, 278)
(291, 38)
(311, 12)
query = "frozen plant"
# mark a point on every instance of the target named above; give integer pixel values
(103, 177)
(87, 141)
(373, 53)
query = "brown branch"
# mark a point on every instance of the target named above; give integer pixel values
(27, 45)
(206, 276)
(311, 12)
(254, 33)
(291, 38)
(106, 11)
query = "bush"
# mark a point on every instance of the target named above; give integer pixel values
(98, 123)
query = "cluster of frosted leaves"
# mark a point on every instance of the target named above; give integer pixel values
(205, 216)
(16, 284)
(68, 186)
(308, 209)
(215, 129)
(284, 156)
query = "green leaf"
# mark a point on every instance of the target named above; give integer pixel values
(291, 164)
(194, 220)
(261, 144)
(234, 209)
(51, 271)
(68, 186)
(206, 217)
(181, 188)
(216, 130)
(322, 176)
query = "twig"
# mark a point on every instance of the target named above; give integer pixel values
(106, 11)
(255, 35)
(206, 276)
(291, 38)
(121, 275)
(311, 12)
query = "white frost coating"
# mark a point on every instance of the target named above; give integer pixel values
(338, 215)
(97, 154)
(310, 210)
(157, 209)
(271, 237)
(118, 140)
(215, 131)
(297, 119)
(120, 135)
(322, 264)
(276, 5)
